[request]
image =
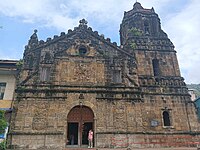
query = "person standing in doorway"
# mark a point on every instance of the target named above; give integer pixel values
(90, 139)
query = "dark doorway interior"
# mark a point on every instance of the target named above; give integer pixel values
(72, 134)
(86, 127)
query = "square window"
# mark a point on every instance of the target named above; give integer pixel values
(2, 89)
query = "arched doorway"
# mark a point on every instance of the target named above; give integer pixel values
(79, 121)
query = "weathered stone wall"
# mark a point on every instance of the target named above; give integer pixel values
(143, 140)
(167, 62)
(45, 120)
(80, 71)
(38, 141)
(122, 116)
(36, 119)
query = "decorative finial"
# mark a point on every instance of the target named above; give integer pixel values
(35, 31)
(83, 22)
(33, 40)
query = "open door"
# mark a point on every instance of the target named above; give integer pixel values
(72, 133)
(80, 120)
(86, 127)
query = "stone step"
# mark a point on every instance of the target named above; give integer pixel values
(79, 148)
(181, 148)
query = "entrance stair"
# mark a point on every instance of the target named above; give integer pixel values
(80, 148)
(182, 148)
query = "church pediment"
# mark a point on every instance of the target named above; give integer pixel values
(83, 41)
(79, 47)
(82, 56)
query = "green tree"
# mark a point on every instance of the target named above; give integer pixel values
(3, 145)
(3, 125)
(19, 64)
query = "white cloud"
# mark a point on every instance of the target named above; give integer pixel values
(179, 18)
(183, 30)
(45, 12)
(67, 12)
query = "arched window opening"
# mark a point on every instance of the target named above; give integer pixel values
(146, 27)
(30, 62)
(156, 68)
(166, 118)
(47, 57)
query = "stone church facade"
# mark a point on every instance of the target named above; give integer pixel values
(131, 95)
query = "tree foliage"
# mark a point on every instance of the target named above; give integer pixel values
(3, 123)
(3, 145)
(135, 32)
(133, 45)
(19, 64)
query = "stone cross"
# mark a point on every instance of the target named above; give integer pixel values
(83, 22)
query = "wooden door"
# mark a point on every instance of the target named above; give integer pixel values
(80, 120)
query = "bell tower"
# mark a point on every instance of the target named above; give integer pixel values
(142, 36)
(140, 21)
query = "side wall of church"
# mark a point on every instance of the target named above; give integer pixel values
(128, 124)
(123, 116)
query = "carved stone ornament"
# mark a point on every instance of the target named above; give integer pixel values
(83, 22)
(83, 72)
(40, 117)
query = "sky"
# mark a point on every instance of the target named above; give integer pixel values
(180, 19)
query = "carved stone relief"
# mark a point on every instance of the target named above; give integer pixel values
(120, 116)
(82, 72)
(40, 116)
